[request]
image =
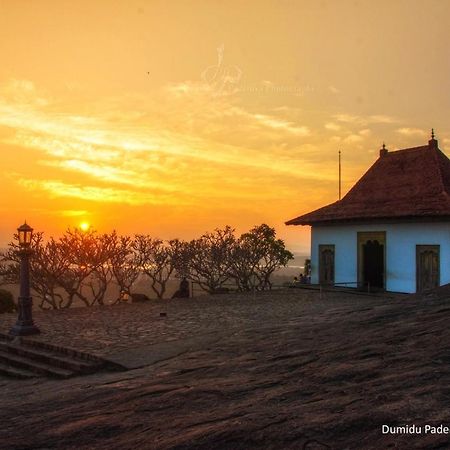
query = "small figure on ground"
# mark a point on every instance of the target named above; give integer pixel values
(183, 290)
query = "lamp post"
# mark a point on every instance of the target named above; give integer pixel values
(24, 325)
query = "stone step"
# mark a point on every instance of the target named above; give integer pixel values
(14, 372)
(15, 361)
(52, 358)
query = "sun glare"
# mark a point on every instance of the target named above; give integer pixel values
(84, 226)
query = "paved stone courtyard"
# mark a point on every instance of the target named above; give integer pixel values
(107, 330)
(282, 369)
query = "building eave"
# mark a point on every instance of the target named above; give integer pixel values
(372, 220)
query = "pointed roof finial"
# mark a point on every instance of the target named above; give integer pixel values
(432, 143)
(383, 150)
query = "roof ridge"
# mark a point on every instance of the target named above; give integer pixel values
(401, 150)
(409, 185)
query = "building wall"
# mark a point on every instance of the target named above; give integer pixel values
(401, 241)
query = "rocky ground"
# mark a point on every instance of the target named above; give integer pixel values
(286, 369)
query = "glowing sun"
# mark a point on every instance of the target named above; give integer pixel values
(84, 226)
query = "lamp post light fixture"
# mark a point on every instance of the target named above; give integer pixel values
(24, 325)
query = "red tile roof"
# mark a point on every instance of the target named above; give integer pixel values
(406, 184)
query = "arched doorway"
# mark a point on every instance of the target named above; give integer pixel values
(371, 260)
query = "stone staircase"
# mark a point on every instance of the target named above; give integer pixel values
(24, 358)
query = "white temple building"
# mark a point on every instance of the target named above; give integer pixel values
(392, 229)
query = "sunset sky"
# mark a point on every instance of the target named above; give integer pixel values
(175, 117)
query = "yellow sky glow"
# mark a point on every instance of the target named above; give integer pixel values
(173, 118)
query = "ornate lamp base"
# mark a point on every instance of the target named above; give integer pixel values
(24, 325)
(23, 330)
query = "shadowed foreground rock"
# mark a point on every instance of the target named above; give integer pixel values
(327, 377)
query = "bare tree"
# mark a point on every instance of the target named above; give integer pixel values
(124, 262)
(86, 269)
(210, 258)
(81, 265)
(157, 260)
(9, 265)
(46, 266)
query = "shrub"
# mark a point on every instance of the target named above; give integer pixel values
(7, 304)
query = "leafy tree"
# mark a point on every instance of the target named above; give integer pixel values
(273, 251)
(256, 256)
(244, 262)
